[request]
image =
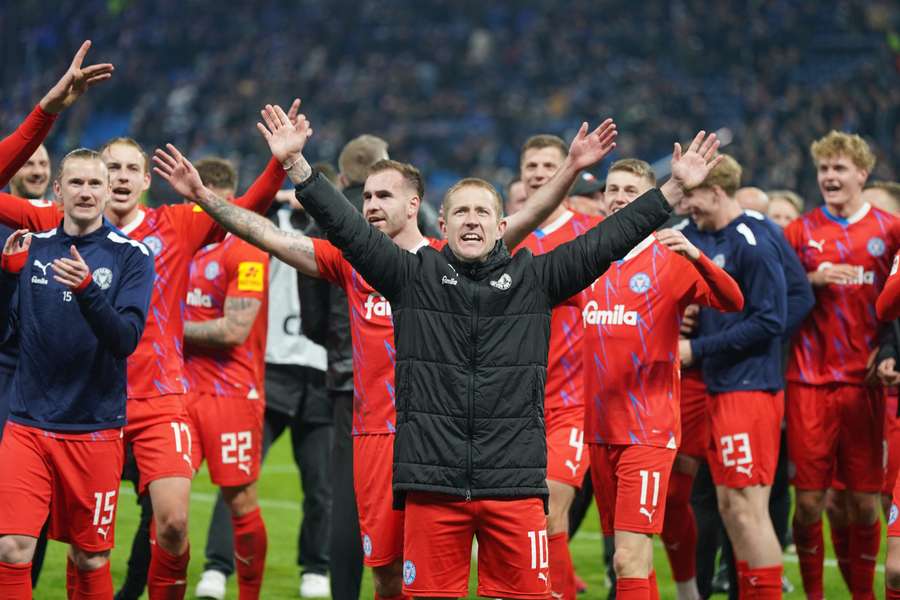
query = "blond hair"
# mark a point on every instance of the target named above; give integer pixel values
(82, 154)
(358, 155)
(838, 143)
(726, 175)
(476, 183)
(127, 141)
(635, 166)
(217, 173)
(788, 196)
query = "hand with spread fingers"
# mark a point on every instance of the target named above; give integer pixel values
(590, 148)
(75, 81)
(179, 172)
(691, 167)
(286, 139)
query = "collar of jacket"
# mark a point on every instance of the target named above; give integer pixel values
(498, 257)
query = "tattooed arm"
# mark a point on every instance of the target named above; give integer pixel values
(228, 331)
(291, 247)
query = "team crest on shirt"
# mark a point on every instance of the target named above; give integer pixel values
(503, 282)
(875, 246)
(719, 260)
(639, 283)
(102, 277)
(211, 271)
(367, 545)
(409, 572)
(154, 243)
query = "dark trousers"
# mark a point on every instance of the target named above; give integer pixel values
(346, 545)
(311, 443)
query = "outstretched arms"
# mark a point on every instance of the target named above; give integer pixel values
(586, 149)
(293, 248)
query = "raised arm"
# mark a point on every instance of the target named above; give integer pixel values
(571, 267)
(714, 287)
(18, 147)
(383, 264)
(585, 150)
(291, 247)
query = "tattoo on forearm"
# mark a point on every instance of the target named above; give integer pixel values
(227, 331)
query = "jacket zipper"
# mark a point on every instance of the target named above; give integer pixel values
(471, 396)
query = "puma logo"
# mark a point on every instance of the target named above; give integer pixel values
(748, 470)
(41, 266)
(572, 466)
(244, 467)
(243, 560)
(648, 513)
(817, 245)
(542, 577)
(103, 531)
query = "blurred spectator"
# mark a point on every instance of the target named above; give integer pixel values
(883, 194)
(784, 207)
(752, 198)
(515, 197)
(586, 196)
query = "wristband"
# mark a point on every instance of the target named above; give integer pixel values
(84, 284)
(14, 263)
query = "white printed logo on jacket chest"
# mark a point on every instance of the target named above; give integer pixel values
(42, 279)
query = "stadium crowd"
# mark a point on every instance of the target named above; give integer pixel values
(455, 85)
(615, 334)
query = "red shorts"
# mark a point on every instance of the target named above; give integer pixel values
(694, 420)
(566, 460)
(159, 432)
(227, 432)
(891, 441)
(72, 478)
(630, 485)
(513, 553)
(380, 526)
(745, 433)
(836, 426)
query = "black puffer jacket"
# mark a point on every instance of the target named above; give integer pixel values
(471, 341)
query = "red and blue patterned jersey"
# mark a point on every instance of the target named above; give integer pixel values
(834, 342)
(565, 386)
(174, 233)
(372, 335)
(632, 317)
(230, 269)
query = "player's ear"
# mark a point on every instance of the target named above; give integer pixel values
(146, 185)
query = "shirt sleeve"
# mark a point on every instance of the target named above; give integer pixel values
(34, 215)
(248, 275)
(765, 299)
(887, 306)
(330, 261)
(17, 147)
(382, 263)
(713, 286)
(119, 324)
(571, 267)
(201, 229)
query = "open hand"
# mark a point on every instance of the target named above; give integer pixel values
(587, 149)
(71, 272)
(286, 140)
(887, 372)
(178, 171)
(75, 81)
(690, 168)
(18, 241)
(837, 274)
(674, 240)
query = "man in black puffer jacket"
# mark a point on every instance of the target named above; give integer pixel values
(471, 328)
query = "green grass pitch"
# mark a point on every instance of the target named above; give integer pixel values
(280, 499)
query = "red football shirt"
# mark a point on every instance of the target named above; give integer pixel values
(565, 387)
(174, 233)
(372, 335)
(834, 342)
(230, 269)
(632, 316)
(17, 147)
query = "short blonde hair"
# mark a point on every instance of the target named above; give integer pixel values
(127, 141)
(358, 155)
(838, 143)
(477, 183)
(80, 154)
(635, 166)
(726, 175)
(788, 196)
